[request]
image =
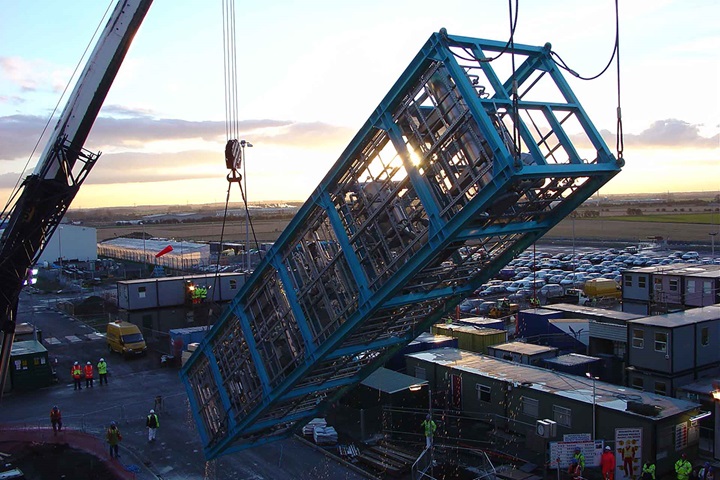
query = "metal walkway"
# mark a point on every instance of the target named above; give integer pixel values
(427, 202)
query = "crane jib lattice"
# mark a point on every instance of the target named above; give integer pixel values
(431, 199)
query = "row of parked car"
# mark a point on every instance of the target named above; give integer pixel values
(546, 276)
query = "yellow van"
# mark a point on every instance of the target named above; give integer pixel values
(125, 338)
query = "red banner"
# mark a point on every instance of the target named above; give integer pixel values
(164, 251)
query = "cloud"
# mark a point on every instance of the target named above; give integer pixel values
(670, 133)
(126, 160)
(19, 133)
(33, 75)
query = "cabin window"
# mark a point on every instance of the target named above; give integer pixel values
(628, 280)
(638, 340)
(673, 285)
(660, 388)
(705, 336)
(637, 382)
(661, 342)
(141, 292)
(483, 392)
(562, 415)
(691, 286)
(233, 284)
(642, 282)
(707, 288)
(530, 407)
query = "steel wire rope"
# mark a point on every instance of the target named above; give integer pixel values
(15, 189)
(232, 129)
(231, 111)
(513, 24)
(620, 143)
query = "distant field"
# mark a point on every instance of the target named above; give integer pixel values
(696, 218)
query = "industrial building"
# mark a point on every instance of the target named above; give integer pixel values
(71, 243)
(667, 288)
(475, 383)
(675, 349)
(183, 255)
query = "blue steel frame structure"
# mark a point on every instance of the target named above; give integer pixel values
(431, 199)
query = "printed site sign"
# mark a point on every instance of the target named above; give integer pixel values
(564, 451)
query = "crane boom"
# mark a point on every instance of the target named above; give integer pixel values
(45, 195)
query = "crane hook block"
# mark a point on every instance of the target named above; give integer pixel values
(233, 155)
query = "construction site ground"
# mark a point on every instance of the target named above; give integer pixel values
(26, 437)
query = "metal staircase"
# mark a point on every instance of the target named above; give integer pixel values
(430, 200)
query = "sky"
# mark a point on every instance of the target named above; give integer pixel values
(311, 73)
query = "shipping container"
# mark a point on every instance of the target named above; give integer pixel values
(472, 339)
(29, 366)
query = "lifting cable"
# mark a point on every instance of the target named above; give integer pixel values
(16, 190)
(509, 45)
(615, 56)
(516, 112)
(234, 149)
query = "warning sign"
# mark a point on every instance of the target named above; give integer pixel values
(564, 451)
(628, 451)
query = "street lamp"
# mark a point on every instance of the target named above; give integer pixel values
(587, 374)
(712, 244)
(60, 252)
(716, 440)
(243, 144)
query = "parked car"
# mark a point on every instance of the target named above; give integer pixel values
(552, 290)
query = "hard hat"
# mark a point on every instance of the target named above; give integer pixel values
(607, 448)
(102, 359)
(76, 363)
(112, 424)
(89, 363)
(152, 411)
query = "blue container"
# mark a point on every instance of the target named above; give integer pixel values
(180, 338)
(535, 321)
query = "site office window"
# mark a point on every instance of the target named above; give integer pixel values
(628, 280)
(690, 286)
(483, 393)
(638, 338)
(660, 388)
(705, 336)
(642, 282)
(142, 291)
(661, 341)
(673, 285)
(637, 382)
(530, 407)
(562, 415)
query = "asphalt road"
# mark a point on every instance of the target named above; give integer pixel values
(128, 397)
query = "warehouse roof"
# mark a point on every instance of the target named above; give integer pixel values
(390, 381)
(154, 244)
(575, 387)
(523, 348)
(679, 319)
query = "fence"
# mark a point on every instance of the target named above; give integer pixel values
(502, 438)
